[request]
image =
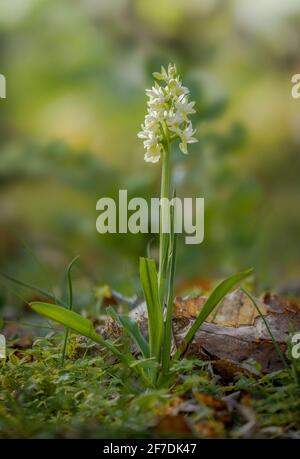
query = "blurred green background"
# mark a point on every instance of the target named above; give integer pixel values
(76, 73)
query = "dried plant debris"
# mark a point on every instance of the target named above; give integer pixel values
(236, 332)
(235, 335)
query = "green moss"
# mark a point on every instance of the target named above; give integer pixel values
(94, 397)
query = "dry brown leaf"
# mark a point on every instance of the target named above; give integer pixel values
(211, 401)
(235, 310)
(234, 333)
(238, 333)
(173, 425)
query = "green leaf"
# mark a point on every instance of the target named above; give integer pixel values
(213, 300)
(65, 317)
(132, 329)
(145, 363)
(148, 276)
(84, 327)
(75, 322)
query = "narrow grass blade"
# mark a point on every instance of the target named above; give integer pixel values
(213, 300)
(278, 350)
(148, 276)
(132, 329)
(43, 292)
(70, 306)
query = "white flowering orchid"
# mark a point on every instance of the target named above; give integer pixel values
(154, 361)
(167, 118)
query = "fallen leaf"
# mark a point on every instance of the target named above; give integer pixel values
(173, 425)
(235, 310)
(231, 338)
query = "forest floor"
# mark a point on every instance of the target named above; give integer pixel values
(93, 396)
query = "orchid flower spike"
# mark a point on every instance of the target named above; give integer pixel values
(167, 117)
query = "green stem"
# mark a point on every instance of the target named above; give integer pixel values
(164, 217)
(170, 297)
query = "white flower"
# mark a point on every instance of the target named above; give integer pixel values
(173, 119)
(184, 107)
(156, 95)
(152, 154)
(186, 137)
(168, 113)
(175, 88)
